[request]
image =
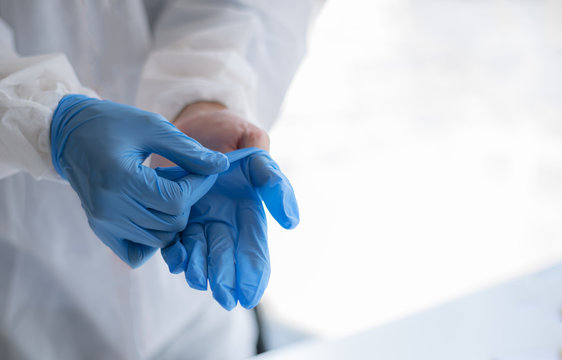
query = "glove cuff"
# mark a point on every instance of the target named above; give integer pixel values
(59, 134)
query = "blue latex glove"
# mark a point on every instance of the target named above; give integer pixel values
(99, 146)
(226, 237)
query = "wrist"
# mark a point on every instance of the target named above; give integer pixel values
(215, 127)
(199, 108)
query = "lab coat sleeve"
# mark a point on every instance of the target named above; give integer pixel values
(30, 89)
(242, 54)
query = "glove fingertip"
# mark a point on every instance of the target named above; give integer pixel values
(195, 278)
(175, 257)
(139, 254)
(227, 304)
(251, 292)
(213, 162)
(222, 164)
(225, 297)
(290, 223)
(249, 299)
(287, 215)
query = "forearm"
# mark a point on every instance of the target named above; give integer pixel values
(240, 54)
(30, 89)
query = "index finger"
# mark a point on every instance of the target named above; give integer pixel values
(171, 197)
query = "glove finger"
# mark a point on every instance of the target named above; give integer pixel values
(154, 219)
(167, 196)
(167, 141)
(119, 246)
(275, 190)
(138, 254)
(132, 254)
(221, 263)
(252, 256)
(175, 257)
(197, 185)
(195, 244)
(139, 235)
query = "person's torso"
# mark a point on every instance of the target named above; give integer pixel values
(63, 293)
(106, 41)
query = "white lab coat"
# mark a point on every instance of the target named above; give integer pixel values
(63, 294)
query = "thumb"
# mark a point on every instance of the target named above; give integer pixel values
(197, 186)
(167, 141)
(275, 190)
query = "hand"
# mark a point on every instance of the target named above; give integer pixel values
(216, 128)
(238, 267)
(226, 237)
(99, 146)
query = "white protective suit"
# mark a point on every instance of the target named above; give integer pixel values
(63, 293)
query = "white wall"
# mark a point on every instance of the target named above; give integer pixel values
(424, 141)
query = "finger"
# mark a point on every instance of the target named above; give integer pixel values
(197, 185)
(138, 254)
(275, 190)
(117, 245)
(127, 229)
(167, 141)
(195, 244)
(154, 219)
(252, 256)
(254, 137)
(132, 254)
(167, 196)
(175, 257)
(221, 263)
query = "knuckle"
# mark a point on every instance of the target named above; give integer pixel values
(256, 134)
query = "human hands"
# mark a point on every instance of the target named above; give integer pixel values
(216, 128)
(99, 146)
(226, 237)
(238, 267)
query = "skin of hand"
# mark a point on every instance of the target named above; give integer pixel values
(216, 128)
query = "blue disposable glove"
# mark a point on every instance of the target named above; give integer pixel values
(99, 146)
(226, 237)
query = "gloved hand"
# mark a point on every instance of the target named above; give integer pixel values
(226, 237)
(99, 146)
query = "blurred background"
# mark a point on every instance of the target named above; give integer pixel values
(424, 141)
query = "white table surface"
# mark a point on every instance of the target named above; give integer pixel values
(518, 320)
